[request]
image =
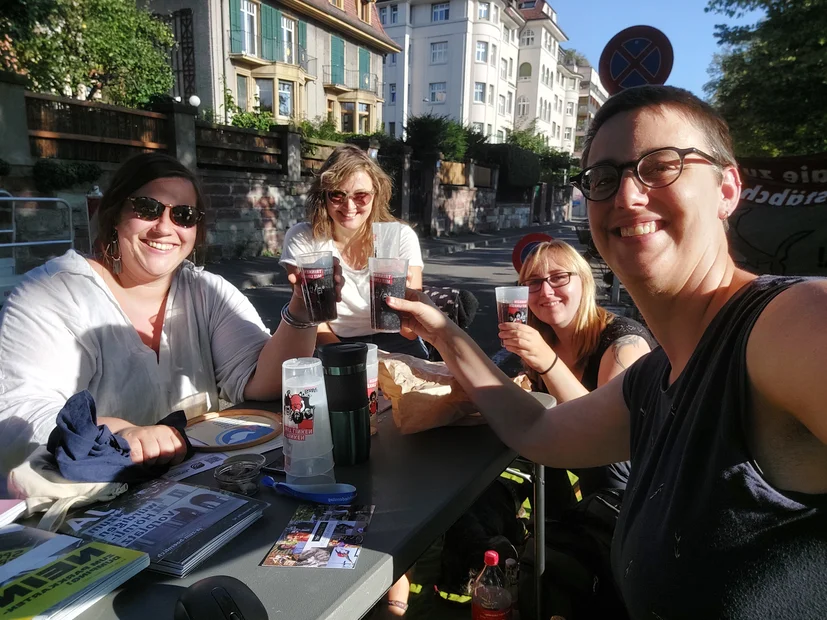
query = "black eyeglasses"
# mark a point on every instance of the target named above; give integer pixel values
(656, 169)
(555, 280)
(149, 210)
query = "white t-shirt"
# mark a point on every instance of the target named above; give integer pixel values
(62, 331)
(354, 309)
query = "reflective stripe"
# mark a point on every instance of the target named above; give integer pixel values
(454, 598)
(416, 588)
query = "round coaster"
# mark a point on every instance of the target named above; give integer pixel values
(233, 429)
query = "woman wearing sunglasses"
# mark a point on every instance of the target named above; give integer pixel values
(349, 194)
(570, 347)
(137, 324)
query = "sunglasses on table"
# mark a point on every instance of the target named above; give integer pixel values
(360, 199)
(149, 210)
(555, 280)
(656, 169)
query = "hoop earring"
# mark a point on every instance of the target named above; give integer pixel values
(113, 253)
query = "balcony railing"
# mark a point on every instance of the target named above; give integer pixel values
(351, 79)
(270, 50)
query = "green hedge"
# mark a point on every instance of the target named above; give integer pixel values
(518, 167)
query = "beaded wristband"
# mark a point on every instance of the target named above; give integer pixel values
(293, 321)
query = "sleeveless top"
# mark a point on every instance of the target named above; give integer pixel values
(701, 534)
(614, 475)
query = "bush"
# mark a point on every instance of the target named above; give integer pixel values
(519, 167)
(51, 174)
(429, 134)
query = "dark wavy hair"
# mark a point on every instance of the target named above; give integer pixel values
(344, 161)
(133, 174)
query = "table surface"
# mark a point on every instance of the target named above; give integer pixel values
(420, 484)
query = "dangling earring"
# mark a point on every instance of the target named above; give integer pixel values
(113, 251)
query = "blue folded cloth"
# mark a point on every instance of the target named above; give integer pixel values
(86, 452)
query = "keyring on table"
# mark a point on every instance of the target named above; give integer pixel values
(233, 429)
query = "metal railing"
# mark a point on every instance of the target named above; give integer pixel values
(351, 78)
(21, 262)
(271, 50)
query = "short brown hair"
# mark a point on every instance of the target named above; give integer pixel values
(343, 162)
(697, 111)
(133, 174)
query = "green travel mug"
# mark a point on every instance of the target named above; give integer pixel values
(345, 378)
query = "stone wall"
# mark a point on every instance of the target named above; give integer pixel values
(250, 212)
(462, 209)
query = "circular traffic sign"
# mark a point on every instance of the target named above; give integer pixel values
(525, 246)
(636, 56)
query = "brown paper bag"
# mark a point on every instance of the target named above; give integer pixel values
(423, 394)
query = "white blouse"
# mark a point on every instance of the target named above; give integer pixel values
(62, 331)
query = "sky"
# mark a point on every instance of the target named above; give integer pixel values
(590, 24)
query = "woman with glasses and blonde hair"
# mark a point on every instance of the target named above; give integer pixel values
(571, 346)
(349, 194)
(138, 325)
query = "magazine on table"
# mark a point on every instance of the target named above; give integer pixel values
(178, 525)
(10, 510)
(44, 575)
(322, 537)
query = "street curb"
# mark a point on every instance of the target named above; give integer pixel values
(455, 247)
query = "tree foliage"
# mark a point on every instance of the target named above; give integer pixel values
(552, 161)
(770, 80)
(113, 46)
(429, 134)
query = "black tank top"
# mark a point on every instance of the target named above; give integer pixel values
(701, 534)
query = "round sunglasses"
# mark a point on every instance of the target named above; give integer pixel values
(149, 210)
(360, 199)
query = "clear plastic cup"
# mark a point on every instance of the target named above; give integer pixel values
(308, 442)
(318, 286)
(372, 370)
(387, 279)
(512, 304)
(386, 239)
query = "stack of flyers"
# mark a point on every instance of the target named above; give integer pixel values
(52, 576)
(322, 537)
(178, 525)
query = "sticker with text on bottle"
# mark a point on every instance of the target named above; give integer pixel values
(299, 410)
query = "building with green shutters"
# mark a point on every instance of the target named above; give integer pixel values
(299, 59)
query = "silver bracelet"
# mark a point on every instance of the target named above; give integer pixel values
(293, 321)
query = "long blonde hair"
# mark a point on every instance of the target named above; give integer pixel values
(343, 162)
(590, 319)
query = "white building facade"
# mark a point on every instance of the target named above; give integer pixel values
(459, 60)
(493, 65)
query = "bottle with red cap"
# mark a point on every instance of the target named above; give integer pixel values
(491, 599)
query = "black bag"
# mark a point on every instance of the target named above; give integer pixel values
(577, 582)
(490, 523)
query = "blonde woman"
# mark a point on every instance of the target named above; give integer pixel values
(570, 345)
(350, 193)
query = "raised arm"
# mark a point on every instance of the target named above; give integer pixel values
(593, 430)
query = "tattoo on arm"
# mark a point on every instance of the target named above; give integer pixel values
(624, 341)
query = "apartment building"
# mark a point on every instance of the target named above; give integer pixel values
(299, 59)
(547, 90)
(459, 59)
(494, 65)
(592, 96)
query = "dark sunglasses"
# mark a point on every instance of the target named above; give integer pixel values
(338, 197)
(149, 210)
